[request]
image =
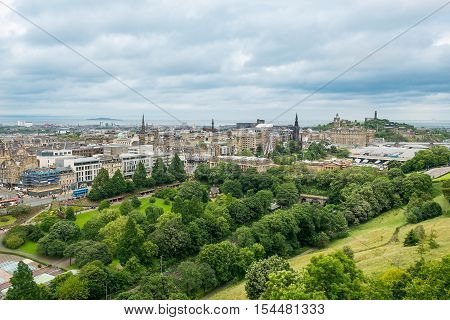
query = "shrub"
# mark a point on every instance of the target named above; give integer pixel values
(20, 209)
(425, 211)
(321, 240)
(152, 200)
(126, 207)
(14, 241)
(166, 202)
(34, 233)
(70, 214)
(15, 237)
(135, 202)
(166, 193)
(105, 204)
(48, 222)
(411, 239)
(153, 213)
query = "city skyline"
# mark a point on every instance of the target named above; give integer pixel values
(210, 60)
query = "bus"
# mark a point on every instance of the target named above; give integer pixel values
(80, 193)
(9, 202)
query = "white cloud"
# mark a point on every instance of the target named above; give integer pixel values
(237, 61)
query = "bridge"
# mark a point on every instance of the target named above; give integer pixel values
(311, 198)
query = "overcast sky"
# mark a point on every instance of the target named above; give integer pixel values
(227, 59)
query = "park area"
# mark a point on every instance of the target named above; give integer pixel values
(82, 217)
(377, 244)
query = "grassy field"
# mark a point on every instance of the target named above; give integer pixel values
(9, 219)
(29, 247)
(378, 246)
(84, 217)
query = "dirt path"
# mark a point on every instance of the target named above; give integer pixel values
(394, 238)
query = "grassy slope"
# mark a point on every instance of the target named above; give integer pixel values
(374, 245)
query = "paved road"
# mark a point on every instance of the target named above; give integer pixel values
(32, 201)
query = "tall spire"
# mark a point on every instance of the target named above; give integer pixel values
(296, 133)
(143, 124)
(212, 124)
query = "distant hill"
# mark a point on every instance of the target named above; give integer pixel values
(103, 119)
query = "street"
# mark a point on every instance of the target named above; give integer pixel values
(32, 201)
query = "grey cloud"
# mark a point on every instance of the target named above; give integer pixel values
(243, 58)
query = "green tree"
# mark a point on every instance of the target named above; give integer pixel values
(159, 172)
(288, 285)
(112, 232)
(130, 243)
(411, 239)
(126, 207)
(221, 258)
(140, 176)
(430, 280)
(66, 231)
(232, 187)
(117, 184)
(202, 173)
(149, 252)
(157, 287)
(104, 204)
(61, 234)
(153, 213)
(258, 275)
(70, 214)
(23, 286)
(135, 202)
(176, 168)
(100, 185)
(72, 289)
(96, 277)
(287, 194)
(193, 189)
(87, 251)
(335, 275)
(194, 279)
(134, 270)
(172, 238)
(239, 212)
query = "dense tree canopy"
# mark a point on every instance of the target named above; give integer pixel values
(426, 159)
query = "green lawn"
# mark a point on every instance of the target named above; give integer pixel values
(9, 219)
(29, 247)
(375, 245)
(84, 217)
